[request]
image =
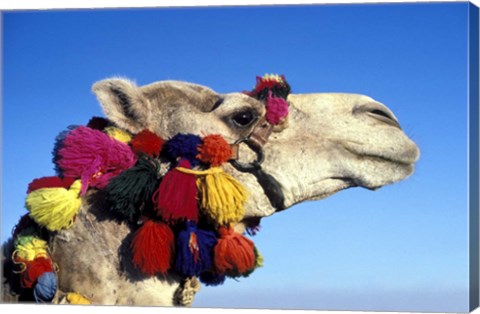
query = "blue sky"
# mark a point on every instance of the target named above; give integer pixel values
(403, 247)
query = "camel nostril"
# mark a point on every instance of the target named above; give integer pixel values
(381, 113)
(378, 112)
(384, 117)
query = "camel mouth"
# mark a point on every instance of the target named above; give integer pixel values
(405, 159)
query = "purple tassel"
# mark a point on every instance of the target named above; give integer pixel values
(194, 250)
(210, 278)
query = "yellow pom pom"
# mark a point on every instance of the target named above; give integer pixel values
(29, 247)
(118, 134)
(76, 298)
(221, 196)
(258, 258)
(54, 208)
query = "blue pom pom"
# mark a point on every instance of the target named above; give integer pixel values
(194, 250)
(211, 279)
(183, 146)
(45, 288)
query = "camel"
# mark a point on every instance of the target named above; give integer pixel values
(330, 142)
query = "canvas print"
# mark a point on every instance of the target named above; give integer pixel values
(318, 157)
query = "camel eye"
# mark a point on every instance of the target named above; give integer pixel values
(244, 118)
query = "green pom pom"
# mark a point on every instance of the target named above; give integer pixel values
(130, 193)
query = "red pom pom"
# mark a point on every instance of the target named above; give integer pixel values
(234, 254)
(148, 143)
(34, 270)
(214, 150)
(50, 182)
(153, 248)
(177, 195)
(269, 82)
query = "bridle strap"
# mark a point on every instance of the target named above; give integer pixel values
(255, 141)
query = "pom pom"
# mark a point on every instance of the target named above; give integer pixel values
(98, 123)
(54, 208)
(29, 247)
(194, 250)
(277, 110)
(59, 140)
(210, 278)
(183, 146)
(50, 182)
(147, 142)
(176, 197)
(277, 84)
(45, 288)
(34, 269)
(24, 225)
(94, 157)
(214, 150)
(153, 248)
(234, 254)
(76, 298)
(221, 196)
(258, 258)
(118, 134)
(258, 262)
(131, 191)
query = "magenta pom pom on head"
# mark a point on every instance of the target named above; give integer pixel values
(277, 110)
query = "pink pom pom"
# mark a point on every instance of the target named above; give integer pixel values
(94, 157)
(277, 109)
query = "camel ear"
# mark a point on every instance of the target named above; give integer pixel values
(123, 103)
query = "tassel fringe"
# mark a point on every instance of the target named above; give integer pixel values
(221, 195)
(54, 208)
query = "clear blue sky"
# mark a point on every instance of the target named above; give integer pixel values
(403, 247)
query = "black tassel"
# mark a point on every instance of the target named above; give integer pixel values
(131, 191)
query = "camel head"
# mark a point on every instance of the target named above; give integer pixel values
(327, 143)
(330, 142)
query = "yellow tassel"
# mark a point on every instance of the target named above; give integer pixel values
(54, 208)
(29, 247)
(221, 196)
(118, 134)
(76, 298)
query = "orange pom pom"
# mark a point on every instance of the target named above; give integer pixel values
(234, 255)
(214, 150)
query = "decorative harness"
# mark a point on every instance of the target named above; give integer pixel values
(187, 212)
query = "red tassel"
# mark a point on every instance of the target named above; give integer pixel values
(177, 195)
(153, 248)
(234, 254)
(50, 182)
(34, 269)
